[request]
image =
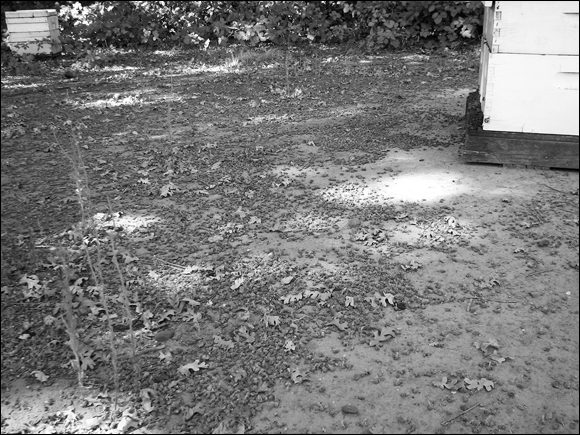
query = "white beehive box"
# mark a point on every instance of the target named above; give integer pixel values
(34, 31)
(529, 67)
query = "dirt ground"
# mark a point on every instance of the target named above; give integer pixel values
(303, 255)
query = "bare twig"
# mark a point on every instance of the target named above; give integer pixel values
(446, 422)
(540, 272)
(493, 300)
(176, 266)
(549, 187)
(469, 305)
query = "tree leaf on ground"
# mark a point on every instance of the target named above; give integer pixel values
(228, 344)
(194, 366)
(324, 296)
(297, 376)
(128, 421)
(287, 280)
(384, 298)
(414, 265)
(381, 336)
(271, 320)
(237, 283)
(190, 412)
(250, 337)
(479, 384)
(191, 302)
(340, 326)
(40, 376)
(165, 356)
(441, 384)
(31, 281)
(313, 294)
(499, 359)
(189, 269)
(371, 300)
(146, 395)
(168, 190)
(87, 363)
(360, 237)
(289, 346)
(153, 275)
(291, 298)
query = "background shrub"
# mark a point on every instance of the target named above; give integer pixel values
(86, 25)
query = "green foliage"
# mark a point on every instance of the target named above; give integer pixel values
(87, 26)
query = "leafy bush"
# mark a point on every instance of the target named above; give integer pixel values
(374, 24)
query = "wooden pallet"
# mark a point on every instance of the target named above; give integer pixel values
(511, 148)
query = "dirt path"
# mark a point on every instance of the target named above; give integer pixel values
(326, 261)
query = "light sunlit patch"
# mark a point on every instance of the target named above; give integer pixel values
(129, 222)
(118, 68)
(14, 82)
(129, 100)
(430, 187)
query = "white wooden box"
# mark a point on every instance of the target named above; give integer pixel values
(529, 68)
(34, 31)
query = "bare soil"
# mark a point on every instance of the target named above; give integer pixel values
(313, 249)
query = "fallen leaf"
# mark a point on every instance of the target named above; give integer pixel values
(297, 376)
(165, 356)
(340, 326)
(289, 346)
(127, 422)
(287, 280)
(40, 375)
(237, 283)
(228, 344)
(146, 395)
(272, 320)
(313, 294)
(190, 412)
(195, 366)
(381, 336)
(441, 384)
